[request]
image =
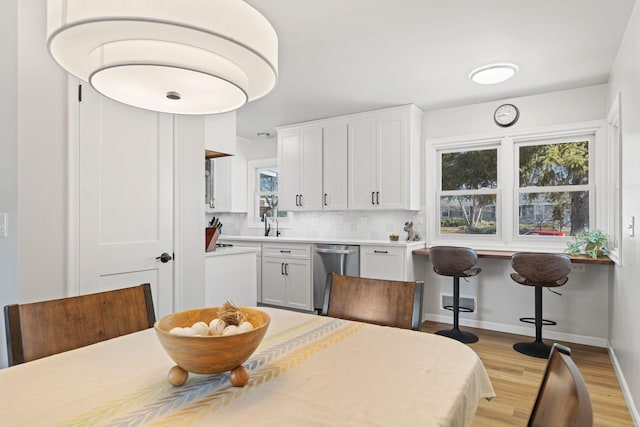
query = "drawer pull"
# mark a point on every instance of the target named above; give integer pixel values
(380, 252)
(285, 252)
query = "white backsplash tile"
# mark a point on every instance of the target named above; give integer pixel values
(345, 224)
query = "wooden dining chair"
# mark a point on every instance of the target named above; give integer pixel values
(382, 302)
(44, 328)
(563, 398)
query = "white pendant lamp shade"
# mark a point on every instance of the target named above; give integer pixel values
(174, 56)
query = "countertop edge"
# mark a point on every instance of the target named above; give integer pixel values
(577, 259)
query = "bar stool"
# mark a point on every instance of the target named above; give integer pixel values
(455, 262)
(541, 270)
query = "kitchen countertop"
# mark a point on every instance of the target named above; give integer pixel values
(337, 241)
(232, 250)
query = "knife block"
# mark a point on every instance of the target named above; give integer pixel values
(210, 238)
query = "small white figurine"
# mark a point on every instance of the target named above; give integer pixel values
(411, 235)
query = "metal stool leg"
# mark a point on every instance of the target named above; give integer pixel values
(537, 348)
(456, 333)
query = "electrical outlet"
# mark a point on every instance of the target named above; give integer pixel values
(3, 224)
(577, 268)
(631, 227)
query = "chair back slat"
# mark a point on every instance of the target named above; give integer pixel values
(382, 302)
(563, 398)
(44, 328)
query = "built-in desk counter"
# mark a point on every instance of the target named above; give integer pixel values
(577, 259)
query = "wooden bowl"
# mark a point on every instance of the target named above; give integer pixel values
(209, 354)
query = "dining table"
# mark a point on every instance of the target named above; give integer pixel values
(309, 370)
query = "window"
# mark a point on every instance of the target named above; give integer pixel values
(529, 189)
(263, 190)
(553, 193)
(468, 191)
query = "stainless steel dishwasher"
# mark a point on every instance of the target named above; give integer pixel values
(339, 259)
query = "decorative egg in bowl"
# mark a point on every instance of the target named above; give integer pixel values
(193, 350)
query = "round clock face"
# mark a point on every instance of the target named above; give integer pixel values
(506, 115)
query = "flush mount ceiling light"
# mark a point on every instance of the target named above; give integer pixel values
(493, 73)
(173, 56)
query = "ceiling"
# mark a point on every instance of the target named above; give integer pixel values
(344, 56)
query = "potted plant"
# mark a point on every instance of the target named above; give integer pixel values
(592, 243)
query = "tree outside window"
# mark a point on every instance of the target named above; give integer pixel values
(553, 197)
(266, 194)
(468, 196)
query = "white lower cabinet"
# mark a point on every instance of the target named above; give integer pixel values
(383, 262)
(286, 275)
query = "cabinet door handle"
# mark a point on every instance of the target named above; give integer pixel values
(380, 252)
(325, 199)
(286, 269)
(301, 203)
(377, 197)
(373, 197)
(297, 203)
(282, 268)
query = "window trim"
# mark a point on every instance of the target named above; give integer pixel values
(614, 181)
(507, 185)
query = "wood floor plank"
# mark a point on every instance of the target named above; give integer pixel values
(516, 379)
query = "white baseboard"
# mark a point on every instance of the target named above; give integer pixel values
(633, 410)
(520, 330)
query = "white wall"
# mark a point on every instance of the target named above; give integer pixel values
(581, 311)
(8, 160)
(624, 328)
(42, 160)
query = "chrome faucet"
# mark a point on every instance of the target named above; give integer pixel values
(267, 226)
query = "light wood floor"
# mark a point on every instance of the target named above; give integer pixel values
(516, 379)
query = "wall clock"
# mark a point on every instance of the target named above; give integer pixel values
(506, 115)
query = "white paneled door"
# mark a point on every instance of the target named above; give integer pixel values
(125, 198)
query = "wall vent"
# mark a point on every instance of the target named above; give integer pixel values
(467, 304)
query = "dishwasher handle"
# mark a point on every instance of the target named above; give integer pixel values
(335, 251)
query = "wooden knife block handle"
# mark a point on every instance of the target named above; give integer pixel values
(210, 238)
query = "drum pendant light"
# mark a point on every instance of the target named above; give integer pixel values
(173, 56)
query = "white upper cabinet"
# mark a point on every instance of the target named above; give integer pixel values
(384, 160)
(334, 167)
(361, 161)
(300, 169)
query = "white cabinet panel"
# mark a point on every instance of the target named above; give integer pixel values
(286, 275)
(382, 262)
(362, 163)
(334, 167)
(231, 277)
(300, 169)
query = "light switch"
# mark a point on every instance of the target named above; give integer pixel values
(631, 227)
(3, 224)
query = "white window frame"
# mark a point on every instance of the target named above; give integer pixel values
(252, 209)
(478, 146)
(590, 188)
(614, 181)
(507, 237)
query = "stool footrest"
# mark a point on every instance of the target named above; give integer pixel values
(460, 309)
(532, 320)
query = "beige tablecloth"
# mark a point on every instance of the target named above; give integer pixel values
(308, 371)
